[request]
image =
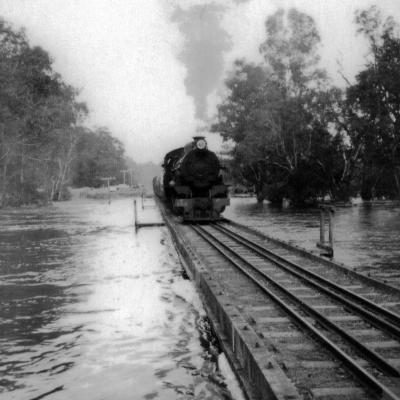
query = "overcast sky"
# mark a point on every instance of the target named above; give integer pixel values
(152, 70)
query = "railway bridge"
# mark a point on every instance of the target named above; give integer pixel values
(293, 325)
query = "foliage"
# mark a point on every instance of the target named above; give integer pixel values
(298, 137)
(373, 107)
(99, 155)
(41, 123)
(280, 113)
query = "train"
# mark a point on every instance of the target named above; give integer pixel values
(192, 183)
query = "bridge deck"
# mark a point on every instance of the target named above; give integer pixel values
(274, 355)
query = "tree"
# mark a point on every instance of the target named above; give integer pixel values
(41, 124)
(280, 114)
(98, 155)
(242, 118)
(12, 103)
(373, 107)
(59, 129)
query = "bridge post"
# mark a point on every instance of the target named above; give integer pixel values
(327, 247)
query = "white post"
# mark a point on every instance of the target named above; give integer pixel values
(327, 246)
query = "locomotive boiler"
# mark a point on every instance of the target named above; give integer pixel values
(192, 184)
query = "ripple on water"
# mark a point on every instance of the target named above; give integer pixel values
(364, 236)
(92, 310)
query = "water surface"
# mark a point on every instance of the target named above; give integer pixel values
(91, 310)
(365, 236)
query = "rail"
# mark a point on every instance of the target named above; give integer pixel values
(264, 282)
(307, 276)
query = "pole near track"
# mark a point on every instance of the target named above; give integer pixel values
(108, 179)
(323, 244)
(135, 214)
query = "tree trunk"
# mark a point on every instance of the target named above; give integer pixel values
(3, 185)
(397, 180)
(53, 189)
(367, 186)
(259, 192)
(22, 177)
(61, 182)
(3, 158)
(341, 192)
(65, 166)
(57, 184)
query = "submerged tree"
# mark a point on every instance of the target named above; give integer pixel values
(280, 113)
(373, 107)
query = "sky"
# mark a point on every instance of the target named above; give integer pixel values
(153, 71)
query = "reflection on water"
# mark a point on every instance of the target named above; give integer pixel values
(365, 236)
(89, 310)
(92, 311)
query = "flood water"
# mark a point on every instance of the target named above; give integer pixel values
(365, 236)
(91, 310)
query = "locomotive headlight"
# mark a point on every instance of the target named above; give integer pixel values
(172, 183)
(201, 144)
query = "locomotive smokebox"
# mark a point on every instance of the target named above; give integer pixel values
(200, 168)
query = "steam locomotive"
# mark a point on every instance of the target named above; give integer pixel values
(192, 184)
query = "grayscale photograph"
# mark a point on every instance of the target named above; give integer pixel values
(199, 199)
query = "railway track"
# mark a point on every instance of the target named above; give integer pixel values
(336, 335)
